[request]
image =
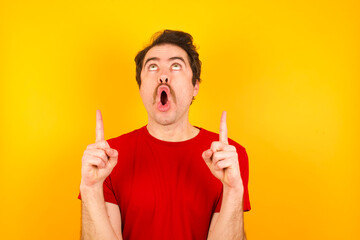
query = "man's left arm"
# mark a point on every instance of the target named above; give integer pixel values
(229, 222)
(222, 160)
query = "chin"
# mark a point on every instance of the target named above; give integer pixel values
(165, 119)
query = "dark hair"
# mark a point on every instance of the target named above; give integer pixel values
(178, 38)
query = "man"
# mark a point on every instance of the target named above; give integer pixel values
(168, 179)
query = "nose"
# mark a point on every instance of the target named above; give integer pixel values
(164, 79)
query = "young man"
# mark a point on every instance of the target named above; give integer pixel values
(168, 179)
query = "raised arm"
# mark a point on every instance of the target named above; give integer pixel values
(100, 220)
(222, 160)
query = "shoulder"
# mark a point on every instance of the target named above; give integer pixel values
(126, 138)
(126, 144)
(215, 137)
(209, 134)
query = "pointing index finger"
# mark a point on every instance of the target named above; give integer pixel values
(223, 129)
(99, 127)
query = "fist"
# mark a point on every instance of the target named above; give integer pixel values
(99, 158)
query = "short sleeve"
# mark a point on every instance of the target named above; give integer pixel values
(244, 171)
(109, 195)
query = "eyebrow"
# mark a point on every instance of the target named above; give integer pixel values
(170, 59)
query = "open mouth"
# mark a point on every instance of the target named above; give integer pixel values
(163, 98)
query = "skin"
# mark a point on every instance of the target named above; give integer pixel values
(172, 125)
(102, 220)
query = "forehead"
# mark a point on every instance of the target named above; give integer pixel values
(166, 51)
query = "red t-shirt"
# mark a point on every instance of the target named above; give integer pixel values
(165, 189)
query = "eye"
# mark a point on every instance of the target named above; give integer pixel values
(153, 67)
(176, 66)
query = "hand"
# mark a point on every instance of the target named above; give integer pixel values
(99, 159)
(222, 159)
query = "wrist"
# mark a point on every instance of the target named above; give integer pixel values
(236, 191)
(84, 188)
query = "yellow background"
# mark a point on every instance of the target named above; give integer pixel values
(287, 72)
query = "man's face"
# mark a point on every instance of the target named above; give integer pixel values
(166, 84)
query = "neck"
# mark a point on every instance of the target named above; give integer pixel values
(175, 132)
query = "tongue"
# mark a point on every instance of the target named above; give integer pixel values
(163, 98)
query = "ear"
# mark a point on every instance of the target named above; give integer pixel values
(196, 88)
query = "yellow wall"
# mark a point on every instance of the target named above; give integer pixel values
(287, 72)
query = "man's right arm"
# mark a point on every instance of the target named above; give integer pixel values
(100, 220)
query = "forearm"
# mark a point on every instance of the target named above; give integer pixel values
(230, 222)
(95, 220)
